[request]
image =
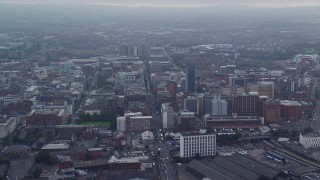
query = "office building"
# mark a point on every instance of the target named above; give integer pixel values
(197, 144)
(245, 104)
(263, 88)
(191, 104)
(139, 123)
(121, 123)
(187, 121)
(200, 99)
(232, 90)
(143, 50)
(8, 125)
(291, 110)
(44, 117)
(167, 116)
(219, 106)
(208, 104)
(126, 50)
(191, 79)
(172, 87)
(271, 111)
(309, 141)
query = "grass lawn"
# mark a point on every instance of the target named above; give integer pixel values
(96, 123)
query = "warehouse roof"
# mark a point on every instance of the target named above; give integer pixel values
(236, 166)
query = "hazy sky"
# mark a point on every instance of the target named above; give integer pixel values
(178, 3)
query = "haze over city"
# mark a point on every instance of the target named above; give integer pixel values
(159, 89)
(176, 3)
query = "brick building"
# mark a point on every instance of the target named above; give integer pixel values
(44, 117)
(291, 110)
(139, 123)
(271, 111)
(234, 121)
(245, 104)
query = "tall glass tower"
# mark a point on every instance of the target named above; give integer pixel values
(191, 79)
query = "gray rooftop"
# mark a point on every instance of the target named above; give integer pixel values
(232, 167)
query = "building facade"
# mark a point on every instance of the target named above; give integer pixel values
(219, 106)
(245, 122)
(191, 79)
(8, 125)
(271, 111)
(291, 110)
(167, 116)
(245, 104)
(309, 141)
(197, 144)
(139, 123)
(43, 117)
(191, 104)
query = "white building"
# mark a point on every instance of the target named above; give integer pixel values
(309, 57)
(187, 114)
(68, 108)
(193, 144)
(133, 114)
(10, 99)
(121, 123)
(7, 126)
(167, 116)
(147, 135)
(309, 141)
(31, 91)
(219, 106)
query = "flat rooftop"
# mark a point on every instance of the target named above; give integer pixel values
(290, 103)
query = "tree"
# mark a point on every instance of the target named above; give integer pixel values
(43, 157)
(146, 147)
(4, 160)
(95, 117)
(85, 117)
(7, 141)
(228, 137)
(294, 133)
(280, 132)
(308, 130)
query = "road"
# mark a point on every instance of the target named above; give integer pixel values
(19, 168)
(166, 169)
(315, 123)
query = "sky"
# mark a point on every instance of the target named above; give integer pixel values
(176, 3)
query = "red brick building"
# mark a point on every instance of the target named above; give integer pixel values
(172, 87)
(291, 110)
(44, 117)
(95, 153)
(244, 122)
(271, 111)
(64, 162)
(245, 104)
